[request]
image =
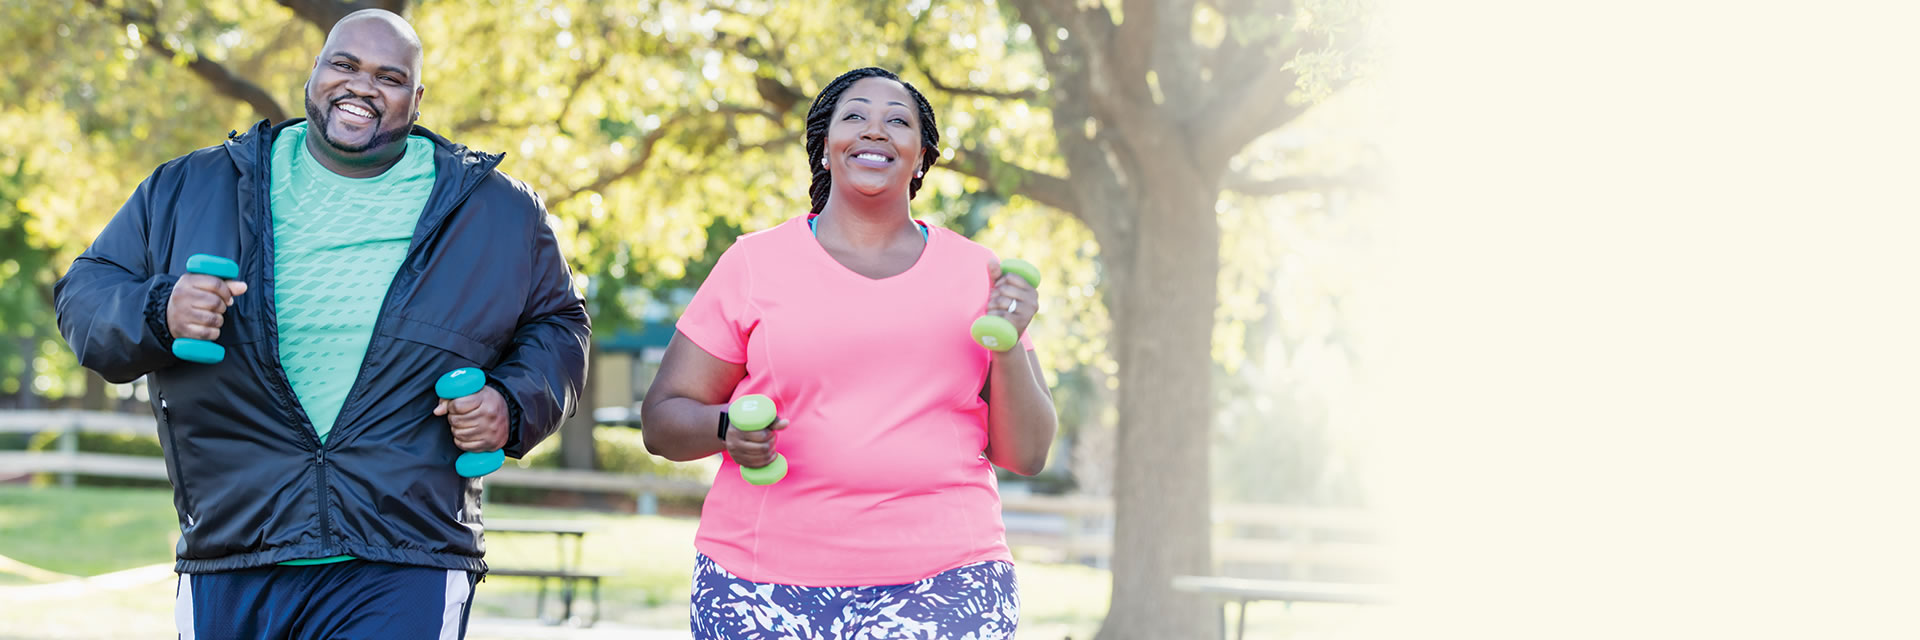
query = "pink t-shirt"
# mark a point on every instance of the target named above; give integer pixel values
(881, 379)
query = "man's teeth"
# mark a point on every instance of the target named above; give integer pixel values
(358, 111)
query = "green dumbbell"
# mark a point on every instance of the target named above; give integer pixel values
(753, 413)
(460, 383)
(995, 332)
(203, 351)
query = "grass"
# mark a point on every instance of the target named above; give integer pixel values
(117, 528)
(90, 531)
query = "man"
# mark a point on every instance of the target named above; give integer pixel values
(313, 480)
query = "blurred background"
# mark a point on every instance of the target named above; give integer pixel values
(1196, 181)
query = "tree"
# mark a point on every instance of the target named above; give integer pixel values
(1151, 102)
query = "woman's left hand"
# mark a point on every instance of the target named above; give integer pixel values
(1012, 297)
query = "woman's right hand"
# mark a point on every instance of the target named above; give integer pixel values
(754, 449)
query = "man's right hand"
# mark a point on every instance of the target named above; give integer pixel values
(194, 311)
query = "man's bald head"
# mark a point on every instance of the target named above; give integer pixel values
(377, 24)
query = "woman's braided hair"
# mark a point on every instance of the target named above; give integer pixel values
(820, 116)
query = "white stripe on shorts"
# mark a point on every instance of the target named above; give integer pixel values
(183, 606)
(458, 589)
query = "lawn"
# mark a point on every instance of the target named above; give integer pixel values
(91, 531)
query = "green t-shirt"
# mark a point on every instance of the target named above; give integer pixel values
(337, 243)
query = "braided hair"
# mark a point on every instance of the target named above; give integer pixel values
(820, 116)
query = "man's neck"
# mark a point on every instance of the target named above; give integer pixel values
(368, 166)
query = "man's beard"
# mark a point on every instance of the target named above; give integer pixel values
(380, 138)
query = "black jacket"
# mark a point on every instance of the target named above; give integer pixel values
(483, 285)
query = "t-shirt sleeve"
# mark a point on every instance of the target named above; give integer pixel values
(721, 315)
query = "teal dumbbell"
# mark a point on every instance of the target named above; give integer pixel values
(202, 351)
(460, 383)
(995, 332)
(753, 413)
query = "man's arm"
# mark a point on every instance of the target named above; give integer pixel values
(546, 367)
(110, 307)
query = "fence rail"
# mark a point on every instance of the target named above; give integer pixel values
(1294, 542)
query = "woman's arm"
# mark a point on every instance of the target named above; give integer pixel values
(680, 418)
(1020, 415)
(680, 415)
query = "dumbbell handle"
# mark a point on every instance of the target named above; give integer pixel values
(204, 351)
(460, 383)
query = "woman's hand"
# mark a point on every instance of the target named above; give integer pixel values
(753, 449)
(1011, 297)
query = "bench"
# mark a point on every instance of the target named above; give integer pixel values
(567, 580)
(567, 572)
(1245, 590)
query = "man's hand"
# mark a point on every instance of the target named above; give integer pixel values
(195, 309)
(478, 421)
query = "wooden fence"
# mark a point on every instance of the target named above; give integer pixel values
(1263, 541)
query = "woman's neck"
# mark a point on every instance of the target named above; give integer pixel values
(870, 228)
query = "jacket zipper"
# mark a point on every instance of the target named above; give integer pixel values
(283, 387)
(401, 277)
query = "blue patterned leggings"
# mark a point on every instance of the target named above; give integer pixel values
(979, 601)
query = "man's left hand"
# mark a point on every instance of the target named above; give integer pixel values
(479, 421)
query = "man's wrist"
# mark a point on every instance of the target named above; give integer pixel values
(156, 310)
(513, 412)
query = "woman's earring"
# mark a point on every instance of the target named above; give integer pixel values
(823, 163)
(919, 174)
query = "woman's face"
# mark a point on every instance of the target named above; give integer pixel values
(873, 141)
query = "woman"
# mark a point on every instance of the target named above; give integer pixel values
(854, 319)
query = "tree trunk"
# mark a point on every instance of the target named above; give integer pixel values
(96, 397)
(1164, 329)
(27, 398)
(576, 433)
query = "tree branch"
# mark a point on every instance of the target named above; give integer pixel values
(743, 110)
(1132, 45)
(1239, 114)
(579, 82)
(917, 53)
(323, 13)
(216, 75)
(1097, 188)
(783, 140)
(644, 151)
(642, 154)
(1046, 189)
(1175, 60)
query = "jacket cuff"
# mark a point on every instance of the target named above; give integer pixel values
(156, 311)
(513, 414)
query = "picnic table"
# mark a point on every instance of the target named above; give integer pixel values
(1244, 590)
(567, 570)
